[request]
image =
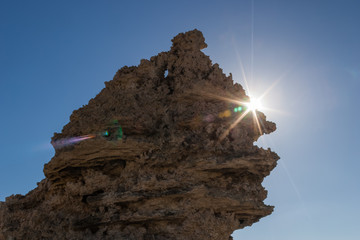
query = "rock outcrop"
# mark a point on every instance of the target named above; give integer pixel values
(155, 155)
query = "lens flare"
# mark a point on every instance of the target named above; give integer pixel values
(113, 132)
(225, 114)
(238, 109)
(60, 143)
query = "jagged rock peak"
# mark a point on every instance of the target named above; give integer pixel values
(155, 155)
(192, 40)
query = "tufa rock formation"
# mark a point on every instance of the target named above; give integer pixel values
(152, 156)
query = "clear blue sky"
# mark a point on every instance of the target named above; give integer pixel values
(56, 55)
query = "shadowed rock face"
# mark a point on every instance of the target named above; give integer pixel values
(159, 161)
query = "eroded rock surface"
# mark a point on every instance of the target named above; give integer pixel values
(159, 161)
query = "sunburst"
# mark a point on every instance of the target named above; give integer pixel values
(244, 109)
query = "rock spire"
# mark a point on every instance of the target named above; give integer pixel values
(155, 155)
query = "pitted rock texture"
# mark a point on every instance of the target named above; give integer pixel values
(173, 172)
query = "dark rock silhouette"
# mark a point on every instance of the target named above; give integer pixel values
(152, 157)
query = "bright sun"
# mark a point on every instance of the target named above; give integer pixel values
(254, 104)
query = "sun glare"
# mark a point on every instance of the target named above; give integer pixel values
(254, 104)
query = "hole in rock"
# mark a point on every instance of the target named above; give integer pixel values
(166, 73)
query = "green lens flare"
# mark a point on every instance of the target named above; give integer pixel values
(114, 131)
(120, 133)
(238, 109)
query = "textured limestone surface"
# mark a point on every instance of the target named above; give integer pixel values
(152, 157)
